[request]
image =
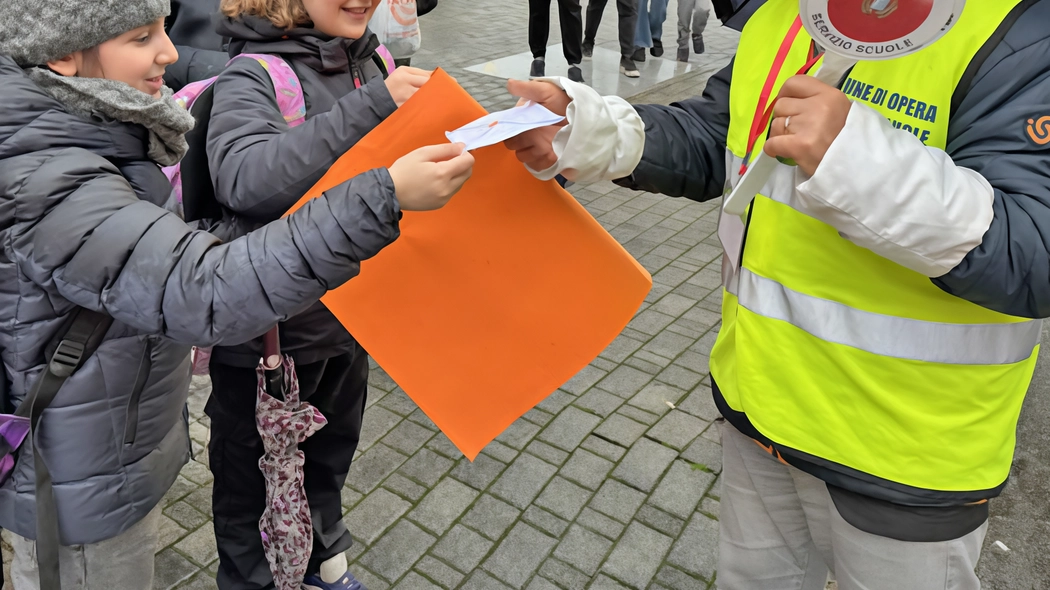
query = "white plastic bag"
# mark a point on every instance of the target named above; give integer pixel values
(396, 24)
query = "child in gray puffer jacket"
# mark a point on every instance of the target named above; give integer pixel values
(84, 122)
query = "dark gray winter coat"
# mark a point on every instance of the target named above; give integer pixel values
(261, 168)
(202, 51)
(80, 225)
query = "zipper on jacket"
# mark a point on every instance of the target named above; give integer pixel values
(145, 364)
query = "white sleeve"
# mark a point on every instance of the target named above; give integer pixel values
(603, 140)
(887, 192)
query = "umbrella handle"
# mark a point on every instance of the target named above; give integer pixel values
(271, 350)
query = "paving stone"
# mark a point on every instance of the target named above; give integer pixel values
(379, 379)
(407, 437)
(569, 429)
(540, 583)
(197, 473)
(373, 467)
(674, 305)
(584, 380)
(714, 432)
(169, 569)
(544, 451)
(701, 404)
(480, 580)
(426, 467)
(617, 501)
(621, 348)
(638, 555)
(586, 469)
(696, 550)
(187, 516)
(201, 500)
(680, 376)
(491, 517)
(625, 381)
(178, 490)
(644, 464)
(519, 555)
(202, 581)
(583, 549)
(697, 363)
(523, 480)
(704, 453)
(440, 572)
(374, 515)
(564, 575)
(349, 497)
(396, 551)
(398, 402)
(369, 579)
(603, 448)
(545, 521)
(500, 451)
(660, 520)
(556, 402)
(414, 581)
(443, 505)
(650, 322)
(377, 423)
(599, 402)
(604, 582)
(639, 415)
(199, 546)
(668, 345)
(480, 474)
(621, 430)
(716, 490)
(677, 429)
(655, 396)
(676, 579)
(404, 487)
(564, 498)
(441, 444)
(538, 417)
(418, 417)
(648, 363)
(518, 434)
(168, 532)
(462, 548)
(710, 507)
(600, 523)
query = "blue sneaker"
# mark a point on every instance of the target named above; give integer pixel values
(347, 582)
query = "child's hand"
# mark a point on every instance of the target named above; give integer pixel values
(404, 82)
(427, 178)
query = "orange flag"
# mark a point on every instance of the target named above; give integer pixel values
(482, 309)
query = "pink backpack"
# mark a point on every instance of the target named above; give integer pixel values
(192, 172)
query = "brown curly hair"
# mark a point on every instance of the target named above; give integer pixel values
(284, 14)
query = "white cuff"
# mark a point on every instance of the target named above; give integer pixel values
(603, 140)
(887, 192)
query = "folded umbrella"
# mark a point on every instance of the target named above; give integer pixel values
(284, 422)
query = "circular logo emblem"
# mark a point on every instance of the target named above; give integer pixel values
(878, 29)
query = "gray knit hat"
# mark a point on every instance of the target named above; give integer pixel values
(34, 32)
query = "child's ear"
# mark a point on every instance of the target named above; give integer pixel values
(66, 66)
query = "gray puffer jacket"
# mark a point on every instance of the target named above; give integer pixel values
(81, 225)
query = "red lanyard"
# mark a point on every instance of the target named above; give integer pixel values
(764, 113)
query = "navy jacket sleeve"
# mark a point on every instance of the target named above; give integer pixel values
(685, 144)
(260, 167)
(1002, 131)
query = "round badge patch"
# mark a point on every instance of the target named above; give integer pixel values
(878, 29)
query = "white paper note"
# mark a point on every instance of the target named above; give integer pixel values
(496, 127)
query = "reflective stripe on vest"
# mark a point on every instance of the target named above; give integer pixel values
(834, 351)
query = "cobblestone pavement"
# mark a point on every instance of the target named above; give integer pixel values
(610, 483)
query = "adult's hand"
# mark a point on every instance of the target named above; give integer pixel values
(808, 116)
(536, 147)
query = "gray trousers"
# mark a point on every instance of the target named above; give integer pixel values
(780, 530)
(692, 20)
(124, 562)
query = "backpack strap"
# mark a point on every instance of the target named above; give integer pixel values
(286, 85)
(385, 60)
(79, 342)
